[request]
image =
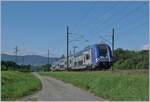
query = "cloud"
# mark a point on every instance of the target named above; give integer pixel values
(145, 47)
(8, 52)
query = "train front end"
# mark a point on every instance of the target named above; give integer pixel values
(103, 56)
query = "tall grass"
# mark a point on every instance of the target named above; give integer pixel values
(109, 85)
(17, 84)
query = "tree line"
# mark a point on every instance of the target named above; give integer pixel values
(126, 59)
(45, 67)
(10, 65)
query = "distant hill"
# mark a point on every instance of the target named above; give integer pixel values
(34, 60)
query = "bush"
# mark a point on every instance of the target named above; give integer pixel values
(125, 59)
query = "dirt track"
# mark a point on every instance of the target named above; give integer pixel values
(56, 90)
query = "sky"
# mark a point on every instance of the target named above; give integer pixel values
(36, 26)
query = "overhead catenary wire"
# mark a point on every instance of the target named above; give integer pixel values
(123, 17)
(84, 16)
(127, 14)
(101, 37)
(135, 27)
(98, 18)
(106, 12)
(79, 41)
(103, 16)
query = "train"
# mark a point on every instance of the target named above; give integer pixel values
(96, 56)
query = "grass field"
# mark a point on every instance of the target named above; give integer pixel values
(18, 84)
(109, 85)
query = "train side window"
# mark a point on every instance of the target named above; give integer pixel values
(84, 59)
(80, 62)
(75, 63)
(70, 61)
(87, 56)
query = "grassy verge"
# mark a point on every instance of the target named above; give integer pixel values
(18, 84)
(109, 85)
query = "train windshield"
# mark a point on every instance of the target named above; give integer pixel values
(103, 50)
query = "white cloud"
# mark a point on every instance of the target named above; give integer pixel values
(145, 47)
(8, 52)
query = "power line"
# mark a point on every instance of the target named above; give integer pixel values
(132, 12)
(135, 27)
(77, 39)
(79, 42)
(104, 39)
(125, 16)
(129, 13)
(85, 15)
(105, 13)
(103, 16)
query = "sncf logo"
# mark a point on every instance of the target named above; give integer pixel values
(98, 59)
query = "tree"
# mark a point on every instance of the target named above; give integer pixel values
(10, 65)
(126, 59)
(45, 67)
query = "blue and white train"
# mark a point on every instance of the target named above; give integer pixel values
(97, 56)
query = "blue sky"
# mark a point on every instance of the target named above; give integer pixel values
(36, 26)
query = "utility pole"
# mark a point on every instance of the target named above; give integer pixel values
(74, 50)
(70, 52)
(67, 45)
(16, 52)
(113, 40)
(48, 61)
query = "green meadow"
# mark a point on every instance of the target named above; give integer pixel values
(16, 84)
(109, 85)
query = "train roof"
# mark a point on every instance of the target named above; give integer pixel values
(89, 47)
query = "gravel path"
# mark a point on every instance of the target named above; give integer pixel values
(56, 90)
